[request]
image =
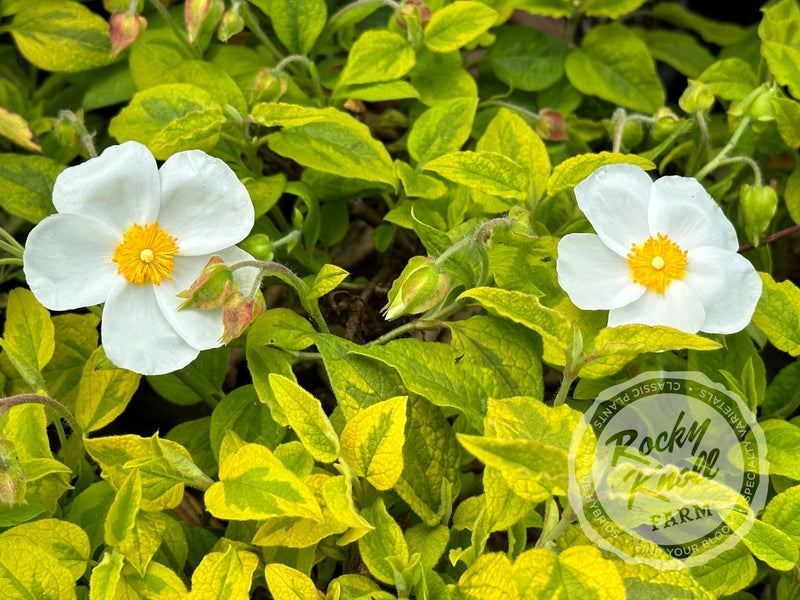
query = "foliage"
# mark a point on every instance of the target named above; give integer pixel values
(417, 158)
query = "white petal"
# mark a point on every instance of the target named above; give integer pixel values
(727, 284)
(614, 198)
(203, 203)
(200, 328)
(679, 308)
(682, 209)
(594, 277)
(137, 336)
(120, 187)
(67, 261)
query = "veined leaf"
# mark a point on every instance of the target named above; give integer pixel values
(14, 127)
(29, 337)
(223, 576)
(297, 24)
(441, 129)
(103, 393)
(28, 571)
(489, 578)
(778, 314)
(64, 541)
(254, 484)
(714, 32)
(105, 577)
(382, 544)
(456, 25)
(377, 56)
(28, 185)
(572, 171)
(121, 517)
(372, 442)
(286, 583)
(527, 59)
(484, 171)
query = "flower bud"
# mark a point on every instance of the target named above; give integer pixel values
(759, 204)
(258, 246)
(666, 121)
(413, 9)
(238, 312)
(12, 476)
(124, 29)
(552, 126)
(695, 98)
(212, 288)
(420, 287)
(195, 13)
(231, 24)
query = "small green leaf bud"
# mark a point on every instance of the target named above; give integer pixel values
(259, 246)
(759, 204)
(231, 24)
(212, 288)
(420, 287)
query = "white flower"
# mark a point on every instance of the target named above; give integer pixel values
(664, 254)
(133, 236)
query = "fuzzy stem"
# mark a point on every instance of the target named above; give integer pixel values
(60, 409)
(723, 154)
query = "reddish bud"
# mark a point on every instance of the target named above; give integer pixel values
(552, 126)
(212, 288)
(238, 312)
(195, 13)
(124, 29)
(412, 8)
(13, 484)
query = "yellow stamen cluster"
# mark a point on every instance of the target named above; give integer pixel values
(145, 254)
(657, 262)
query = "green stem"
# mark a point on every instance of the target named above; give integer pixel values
(255, 28)
(566, 381)
(11, 245)
(619, 127)
(567, 518)
(11, 261)
(60, 409)
(753, 165)
(162, 10)
(723, 154)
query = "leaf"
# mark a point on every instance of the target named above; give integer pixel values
(336, 144)
(62, 540)
(456, 25)
(771, 545)
(377, 92)
(61, 35)
(780, 43)
(170, 118)
(105, 577)
(357, 381)
(243, 413)
(782, 438)
(29, 337)
(679, 50)
(508, 134)
(305, 415)
(297, 24)
(714, 32)
(29, 572)
(484, 171)
(615, 347)
(377, 56)
(613, 64)
(382, 544)
(435, 372)
(512, 353)
(286, 583)
(104, 394)
(572, 171)
(14, 127)
(783, 513)
(27, 183)
(222, 576)
(144, 540)
(88, 510)
(787, 115)
(280, 114)
(777, 314)
(724, 574)
(75, 340)
(489, 578)
(121, 518)
(441, 129)
(527, 59)
(577, 572)
(610, 8)
(372, 442)
(440, 78)
(159, 583)
(326, 280)
(526, 310)
(254, 484)
(729, 79)
(206, 374)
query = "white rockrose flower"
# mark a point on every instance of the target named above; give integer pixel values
(664, 254)
(131, 236)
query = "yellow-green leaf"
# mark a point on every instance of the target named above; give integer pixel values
(286, 583)
(159, 583)
(577, 572)
(372, 442)
(377, 56)
(254, 484)
(28, 185)
(30, 573)
(778, 314)
(64, 541)
(103, 393)
(15, 128)
(121, 517)
(457, 24)
(305, 415)
(29, 336)
(489, 578)
(105, 577)
(222, 576)
(326, 280)
(572, 171)
(441, 129)
(487, 172)
(144, 539)
(384, 542)
(771, 545)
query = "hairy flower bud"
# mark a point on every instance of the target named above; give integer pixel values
(12, 476)
(420, 287)
(759, 204)
(124, 29)
(231, 24)
(552, 126)
(196, 12)
(696, 97)
(238, 312)
(212, 288)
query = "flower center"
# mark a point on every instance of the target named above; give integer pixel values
(145, 254)
(657, 262)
